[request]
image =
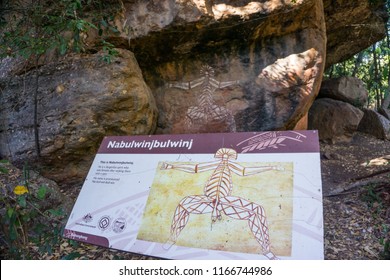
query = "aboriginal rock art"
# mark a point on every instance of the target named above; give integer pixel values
(217, 198)
(270, 140)
(207, 111)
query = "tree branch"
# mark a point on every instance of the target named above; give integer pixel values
(371, 179)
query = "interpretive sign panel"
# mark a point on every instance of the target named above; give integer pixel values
(250, 195)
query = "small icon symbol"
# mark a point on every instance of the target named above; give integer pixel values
(104, 222)
(88, 218)
(119, 225)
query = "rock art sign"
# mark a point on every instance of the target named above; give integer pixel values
(204, 196)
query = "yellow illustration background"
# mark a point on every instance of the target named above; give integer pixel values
(271, 189)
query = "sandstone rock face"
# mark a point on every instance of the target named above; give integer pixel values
(80, 101)
(267, 60)
(241, 40)
(375, 124)
(352, 26)
(208, 66)
(347, 89)
(336, 121)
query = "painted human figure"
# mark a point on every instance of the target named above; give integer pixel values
(217, 198)
(207, 110)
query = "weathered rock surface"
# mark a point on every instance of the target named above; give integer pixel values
(352, 26)
(80, 101)
(375, 124)
(267, 60)
(336, 121)
(240, 39)
(255, 45)
(347, 89)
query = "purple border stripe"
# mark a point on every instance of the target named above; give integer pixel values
(86, 237)
(243, 142)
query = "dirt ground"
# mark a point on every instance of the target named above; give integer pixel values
(356, 206)
(359, 160)
(356, 190)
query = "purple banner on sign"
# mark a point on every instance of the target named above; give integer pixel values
(86, 237)
(243, 142)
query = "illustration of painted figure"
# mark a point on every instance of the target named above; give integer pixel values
(218, 199)
(207, 111)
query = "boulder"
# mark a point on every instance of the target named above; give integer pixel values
(265, 61)
(250, 46)
(351, 26)
(347, 89)
(240, 39)
(375, 124)
(243, 40)
(336, 121)
(80, 100)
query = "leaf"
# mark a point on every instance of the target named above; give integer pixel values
(72, 256)
(22, 201)
(10, 212)
(63, 47)
(114, 29)
(104, 23)
(385, 72)
(13, 233)
(20, 190)
(42, 191)
(3, 170)
(80, 25)
(56, 212)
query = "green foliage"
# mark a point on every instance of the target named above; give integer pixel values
(372, 198)
(39, 27)
(109, 52)
(72, 256)
(371, 66)
(366, 72)
(3, 170)
(24, 221)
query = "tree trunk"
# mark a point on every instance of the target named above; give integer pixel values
(376, 78)
(384, 109)
(358, 61)
(36, 128)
